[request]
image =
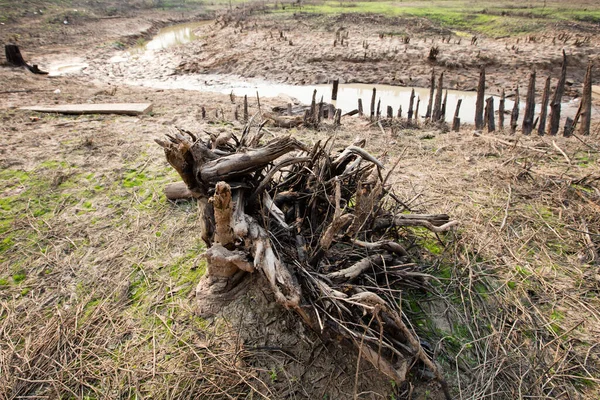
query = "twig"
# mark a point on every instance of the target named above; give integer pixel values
(561, 152)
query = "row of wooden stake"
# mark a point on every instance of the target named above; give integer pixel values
(485, 110)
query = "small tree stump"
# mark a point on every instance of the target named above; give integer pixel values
(529, 106)
(557, 98)
(479, 102)
(544, 110)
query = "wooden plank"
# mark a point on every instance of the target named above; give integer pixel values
(109, 108)
(596, 91)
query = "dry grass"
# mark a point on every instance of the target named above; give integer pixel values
(97, 269)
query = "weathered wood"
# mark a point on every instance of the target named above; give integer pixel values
(360, 107)
(431, 94)
(437, 106)
(568, 129)
(411, 104)
(109, 108)
(239, 164)
(501, 111)
(378, 108)
(246, 108)
(443, 109)
(390, 112)
(399, 112)
(490, 114)
(557, 98)
(529, 106)
(480, 99)
(289, 110)
(456, 120)
(223, 211)
(544, 110)
(337, 120)
(514, 116)
(13, 55)
(585, 106)
(351, 113)
(334, 90)
(373, 104)
(177, 191)
(417, 110)
(15, 58)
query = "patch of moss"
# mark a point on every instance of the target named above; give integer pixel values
(19, 277)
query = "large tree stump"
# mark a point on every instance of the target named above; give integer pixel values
(312, 224)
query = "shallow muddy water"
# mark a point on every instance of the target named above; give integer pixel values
(174, 35)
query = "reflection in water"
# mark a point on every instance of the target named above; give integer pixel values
(174, 35)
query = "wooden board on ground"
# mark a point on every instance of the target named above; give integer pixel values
(596, 91)
(110, 108)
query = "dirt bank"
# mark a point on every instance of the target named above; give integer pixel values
(308, 49)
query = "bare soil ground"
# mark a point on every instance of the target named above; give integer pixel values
(307, 49)
(97, 269)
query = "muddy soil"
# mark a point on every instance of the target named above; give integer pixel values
(308, 49)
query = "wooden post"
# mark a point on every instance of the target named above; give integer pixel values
(568, 127)
(373, 104)
(378, 108)
(258, 102)
(417, 111)
(479, 101)
(390, 112)
(431, 93)
(529, 106)
(490, 114)
(337, 121)
(585, 107)
(501, 111)
(360, 108)
(410, 104)
(319, 112)
(246, 108)
(544, 110)
(456, 120)
(399, 112)
(313, 107)
(289, 109)
(514, 116)
(443, 110)
(203, 112)
(557, 98)
(331, 111)
(334, 91)
(438, 100)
